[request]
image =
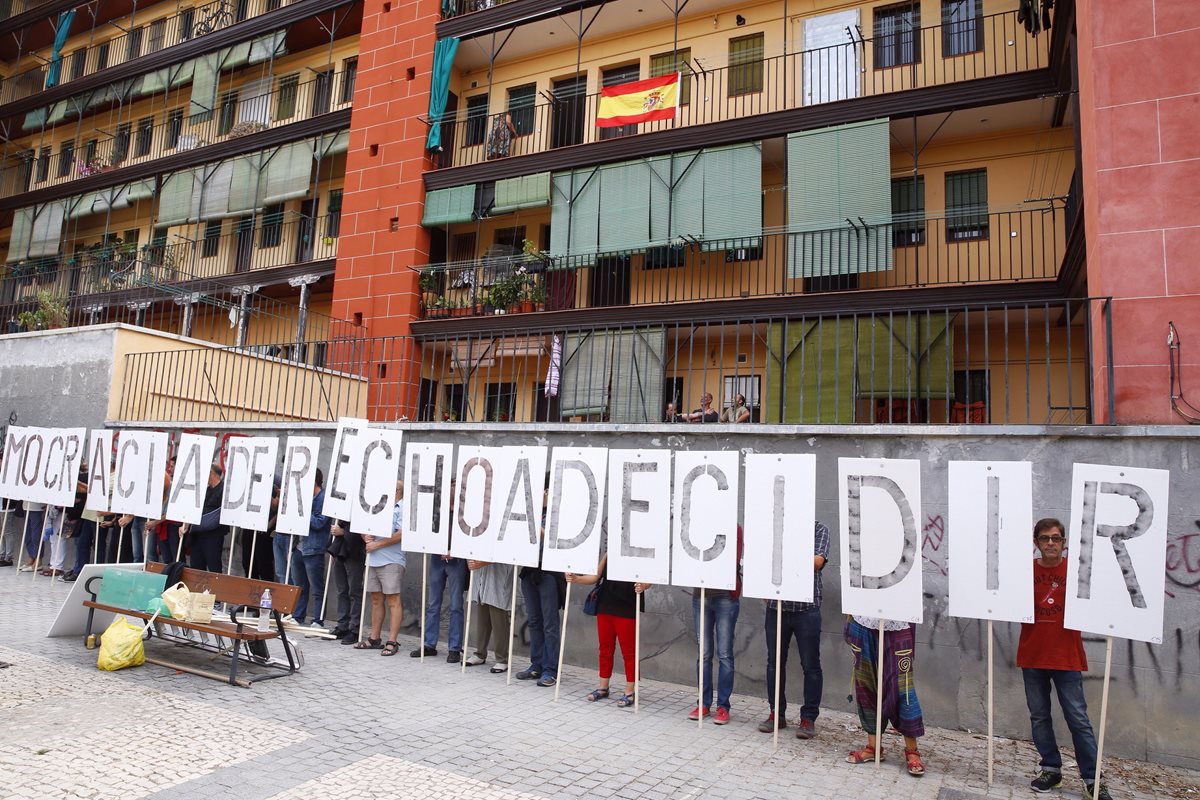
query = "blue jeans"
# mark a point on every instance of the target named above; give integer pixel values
(137, 532)
(83, 544)
(1069, 684)
(441, 573)
(281, 546)
(34, 523)
(541, 610)
(806, 627)
(720, 617)
(312, 585)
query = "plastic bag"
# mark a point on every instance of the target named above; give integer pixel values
(178, 600)
(158, 606)
(121, 646)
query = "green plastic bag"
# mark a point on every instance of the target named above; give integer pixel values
(158, 606)
(121, 646)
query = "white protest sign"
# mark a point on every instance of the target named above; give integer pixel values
(879, 504)
(704, 540)
(249, 476)
(138, 484)
(341, 478)
(781, 502)
(24, 459)
(477, 507)
(189, 482)
(296, 486)
(100, 455)
(639, 515)
(991, 540)
(372, 502)
(578, 477)
(1117, 551)
(64, 451)
(521, 478)
(428, 472)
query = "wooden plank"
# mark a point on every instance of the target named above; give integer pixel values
(236, 590)
(227, 629)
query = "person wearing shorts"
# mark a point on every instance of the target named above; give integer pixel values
(385, 579)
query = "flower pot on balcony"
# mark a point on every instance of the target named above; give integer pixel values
(527, 306)
(515, 308)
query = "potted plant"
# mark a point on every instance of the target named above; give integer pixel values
(537, 293)
(53, 309)
(245, 128)
(94, 167)
(504, 293)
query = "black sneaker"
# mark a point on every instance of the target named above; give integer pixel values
(71, 577)
(350, 638)
(429, 651)
(1047, 780)
(530, 674)
(1090, 793)
(454, 656)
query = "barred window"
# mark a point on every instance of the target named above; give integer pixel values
(666, 63)
(745, 65)
(897, 35)
(966, 205)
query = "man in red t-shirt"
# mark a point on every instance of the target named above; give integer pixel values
(1049, 653)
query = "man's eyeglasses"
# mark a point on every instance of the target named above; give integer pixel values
(1050, 539)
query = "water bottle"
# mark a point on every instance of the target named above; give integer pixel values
(264, 611)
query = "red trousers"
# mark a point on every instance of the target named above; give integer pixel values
(610, 630)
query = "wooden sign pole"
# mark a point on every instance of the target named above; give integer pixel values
(287, 570)
(991, 752)
(512, 626)
(232, 544)
(637, 651)
(467, 622)
(362, 604)
(562, 642)
(325, 591)
(424, 599)
(778, 668)
(700, 668)
(879, 698)
(1103, 717)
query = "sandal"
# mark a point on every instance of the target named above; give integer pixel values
(597, 694)
(913, 763)
(626, 701)
(864, 756)
(390, 649)
(369, 644)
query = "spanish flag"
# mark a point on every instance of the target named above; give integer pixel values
(639, 101)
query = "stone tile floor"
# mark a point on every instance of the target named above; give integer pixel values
(352, 725)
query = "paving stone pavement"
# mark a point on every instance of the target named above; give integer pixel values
(352, 725)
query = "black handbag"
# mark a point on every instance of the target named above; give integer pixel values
(591, 603)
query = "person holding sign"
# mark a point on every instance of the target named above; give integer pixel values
(721, 614)
(207, 538)
(544, 595)
(1049, 653)
(312, 553)
(900, 705)
(385, 579)
(445, 572)
(348, 562)
(802, 620)
(616, 610)
(493, 596)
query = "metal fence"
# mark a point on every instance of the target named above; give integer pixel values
(932, 251)
(1009, 363)
(980, 47)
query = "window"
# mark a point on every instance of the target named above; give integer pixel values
(271, 232)
(966, 205)
(187, 21)
(666, 63)
(66, 159)
(745, 65)
(477, 113)
(274, 5)
(500, 402)
(174, 127)
(158, 35)
(908, 211)
(89, 150)
(78, 63)
(455, 402)
(970, 396)
(145, 136)
(212, 239)
(897, 35)
(241, 9)
(43, 164)
(521, 107)
(349, 75)
(228, 113)
(285, 97)
(102, 56)
(133, 44)
(511, 237)
(322, 92)
(615, 77)
(747, 387)
(962, 27)
(333, 219)
(121, 143)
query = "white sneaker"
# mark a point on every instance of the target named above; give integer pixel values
(288, 619)
(316, 625)
(24, 568)
(499, 667)
(475, 661)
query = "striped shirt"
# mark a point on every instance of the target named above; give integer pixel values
(820, 548)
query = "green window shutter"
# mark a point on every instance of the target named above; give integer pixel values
(181, 73)
(141, 190)
(175, 199)
(660, 199)
(81, 205)
(637, 375)
(906, 355)
(155, 81)
(811, 373)
(204, 87)
(578, 220)
(214, 196)
(47, 232)
(835, 174)
(560, 212)
(624, 206)
(583, 386)
(19, 236)
(332, 144)
(236, 56)
(248, 185)
(265, 47)
(732, 195)
(527, 191)
(58, 111)
(289, 172)
(449, 206)
(687, 199)
(35, 119)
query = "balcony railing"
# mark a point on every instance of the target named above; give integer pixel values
(456, 8)
(14, 8)
(990, 46)
(134, 42)
(1000, 247)
(975, 363)
(172, 132)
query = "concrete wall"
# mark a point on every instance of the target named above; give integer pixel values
(1155, 695)
(48, 384)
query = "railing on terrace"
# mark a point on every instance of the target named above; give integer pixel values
(129, 141)
(936, 251)
(14, 8)
(143, 290)
(974, 363)
(990, 46)
(456, 8)
(134, 39)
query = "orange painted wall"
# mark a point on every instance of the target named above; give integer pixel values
(1139, 68)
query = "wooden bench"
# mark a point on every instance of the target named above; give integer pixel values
(237, 594)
